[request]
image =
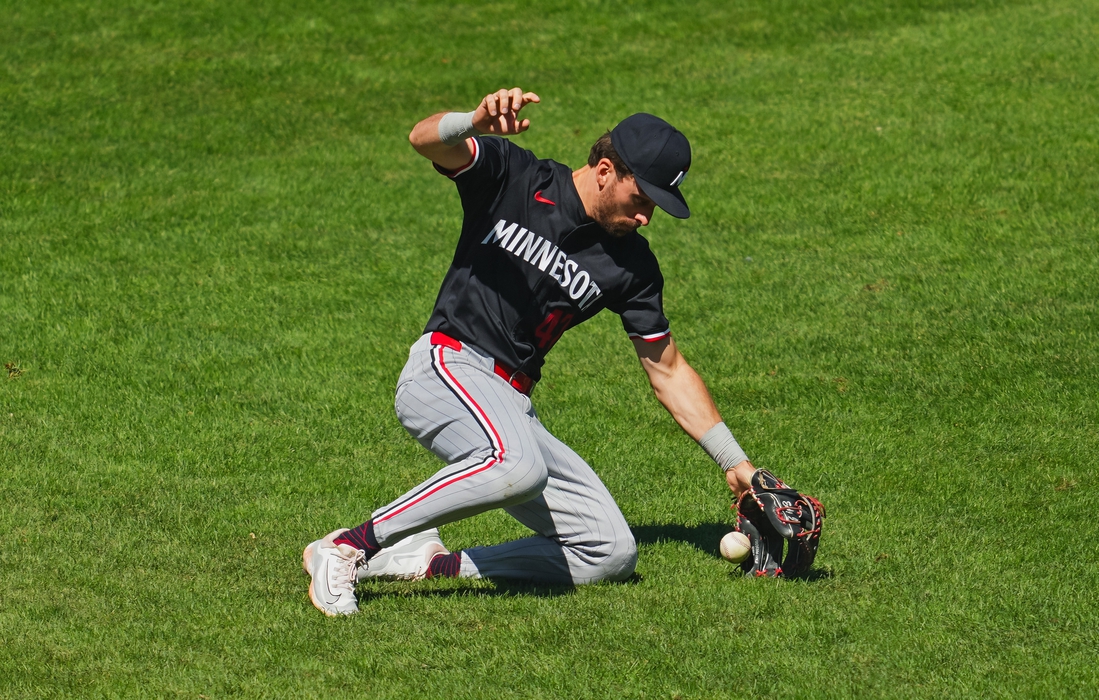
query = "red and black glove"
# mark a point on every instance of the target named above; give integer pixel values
(771, 515)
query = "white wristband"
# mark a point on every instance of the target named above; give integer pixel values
(722, 447)
(456, 127)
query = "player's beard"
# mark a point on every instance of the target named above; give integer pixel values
(605, 212)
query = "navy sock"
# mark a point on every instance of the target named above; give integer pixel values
(445, 565)
(361, 537)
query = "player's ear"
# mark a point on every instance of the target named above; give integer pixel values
(604, 172)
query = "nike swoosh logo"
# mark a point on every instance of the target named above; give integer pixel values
(331, 598)
(539, 198)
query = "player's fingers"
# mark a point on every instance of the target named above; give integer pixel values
(530, 97)
(502, 97)
(490, 103)
(516, 96)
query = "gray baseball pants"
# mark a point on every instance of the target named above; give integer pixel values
(499, 455)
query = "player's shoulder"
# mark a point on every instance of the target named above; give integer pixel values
(517, 157)
(493, 158)
(636, 247)
(635, 258)
(640, 243)
(504, 147)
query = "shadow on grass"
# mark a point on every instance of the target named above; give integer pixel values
(484, 588)
(812, 575)
(706, 538)
(499, 588)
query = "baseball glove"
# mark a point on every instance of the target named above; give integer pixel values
(771, 515)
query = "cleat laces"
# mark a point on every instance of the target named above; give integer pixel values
(341, 573)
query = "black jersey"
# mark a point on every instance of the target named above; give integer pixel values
(531, 264)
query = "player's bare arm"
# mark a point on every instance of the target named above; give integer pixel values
(443, 138)
(683, 393)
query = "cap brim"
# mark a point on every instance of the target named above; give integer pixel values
(670, 199)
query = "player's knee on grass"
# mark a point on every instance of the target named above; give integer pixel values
(622, 560)
(609, 561)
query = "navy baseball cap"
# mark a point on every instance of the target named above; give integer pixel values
(659, 156)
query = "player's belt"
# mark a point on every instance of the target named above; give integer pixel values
(521, 382)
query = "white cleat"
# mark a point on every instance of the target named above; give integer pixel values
(405, 561)
(332, 568)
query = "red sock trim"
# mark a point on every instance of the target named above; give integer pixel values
(361, 537)
(448, 565)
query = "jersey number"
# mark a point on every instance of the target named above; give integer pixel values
(550, 330)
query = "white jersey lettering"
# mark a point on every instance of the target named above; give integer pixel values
(547, 255)
(558, 263)
(537, 251)
(518, 237)
(593, 294)
(570, 267)
(531, 247)
(579, 285)
(499, 233)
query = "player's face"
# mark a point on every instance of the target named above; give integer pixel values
(622, 207)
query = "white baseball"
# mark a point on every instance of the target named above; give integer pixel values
(735, 547)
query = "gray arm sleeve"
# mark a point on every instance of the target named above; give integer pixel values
(722, 447)
(456, 127)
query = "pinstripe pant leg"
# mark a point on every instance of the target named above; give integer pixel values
(453, 404)
(583, 536)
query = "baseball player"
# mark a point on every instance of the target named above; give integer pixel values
(542, 249)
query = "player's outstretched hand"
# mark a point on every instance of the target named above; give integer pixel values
(498, 113)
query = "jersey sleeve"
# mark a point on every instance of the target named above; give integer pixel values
(480, 180)
(643, 312)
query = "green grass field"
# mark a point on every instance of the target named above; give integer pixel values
(218, 245)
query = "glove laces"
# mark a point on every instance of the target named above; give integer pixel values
(789, 514)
